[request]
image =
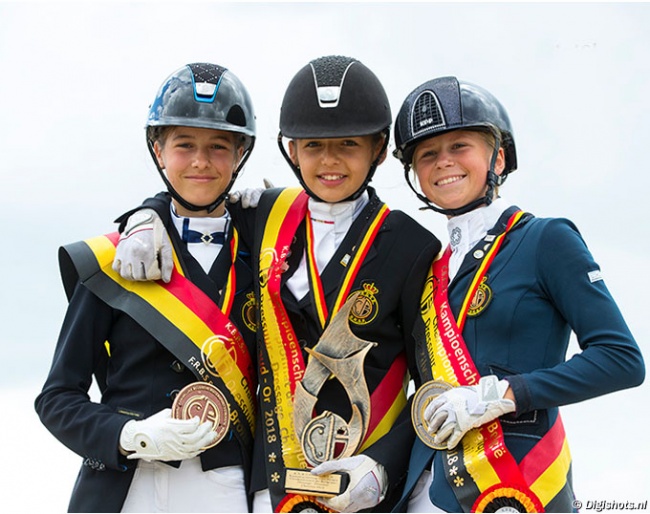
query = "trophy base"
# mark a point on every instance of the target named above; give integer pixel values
(301, 481)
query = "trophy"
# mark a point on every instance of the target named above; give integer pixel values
(328, 436)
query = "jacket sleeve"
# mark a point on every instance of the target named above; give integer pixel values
(87, 428)
(610, 359)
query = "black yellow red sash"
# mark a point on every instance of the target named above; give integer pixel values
(183, 318)
(318, 294)
(281, 361)
(481, 471)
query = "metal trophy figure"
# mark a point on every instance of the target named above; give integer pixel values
(341, 354)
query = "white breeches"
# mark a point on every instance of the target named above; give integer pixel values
(158, 487)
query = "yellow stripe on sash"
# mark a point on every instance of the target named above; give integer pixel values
(476, 461)
(181, 317)
(551, 482)
(273, 336)
(358, 258)
(386, 423)
(276, 217)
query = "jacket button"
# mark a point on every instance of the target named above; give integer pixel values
(177, 366)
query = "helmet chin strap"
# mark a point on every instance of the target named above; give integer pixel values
(191, 206)
(353, 196)
(492, 181)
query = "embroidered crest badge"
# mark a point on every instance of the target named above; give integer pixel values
(481, 300)
(248, 312)
(366, 306)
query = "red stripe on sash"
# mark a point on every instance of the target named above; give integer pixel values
(385, 394)
(544, 453)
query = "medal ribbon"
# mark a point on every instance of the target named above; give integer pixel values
(281, 361)
(483, 267)
(190, 311)
(228, 295)
(318, 294)
(281, 343)
(488, 464)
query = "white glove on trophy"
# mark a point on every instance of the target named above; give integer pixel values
(452, 414)
(161, 437)
(144, 251)
(367, 487)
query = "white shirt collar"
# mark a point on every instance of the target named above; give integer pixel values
(205, 254)
(331, 224)
(466, 230)
(205, 225)
(342, 214)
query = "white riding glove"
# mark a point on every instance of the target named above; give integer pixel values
(161, 437)
(367, 487)
(249, 197)
(144, 251)
(455, 412)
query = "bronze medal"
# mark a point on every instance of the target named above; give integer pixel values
(205, 401)
(423, 397)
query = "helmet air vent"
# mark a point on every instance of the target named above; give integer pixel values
(236, 116)
(329, 74)
(426, 114)
(206, 78)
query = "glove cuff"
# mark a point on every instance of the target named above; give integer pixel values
(138, 220)
(490, 388)
(127, 437)
(382, 480)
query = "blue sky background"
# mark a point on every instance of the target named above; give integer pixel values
(77, 78)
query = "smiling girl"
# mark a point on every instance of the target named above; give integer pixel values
(173, 430)
(319, 245)
(498, 308)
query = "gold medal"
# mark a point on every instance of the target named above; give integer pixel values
(423, 397)
(205, 401)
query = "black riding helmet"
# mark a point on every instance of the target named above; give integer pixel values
(203, 95)
(445, 104)
(333, 97)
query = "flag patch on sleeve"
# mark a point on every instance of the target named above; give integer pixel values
(595, 276)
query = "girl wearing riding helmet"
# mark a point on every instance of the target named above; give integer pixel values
(318, 246)
(173, 430)
(498, 307)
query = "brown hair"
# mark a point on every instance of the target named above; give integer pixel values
(159, 134)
